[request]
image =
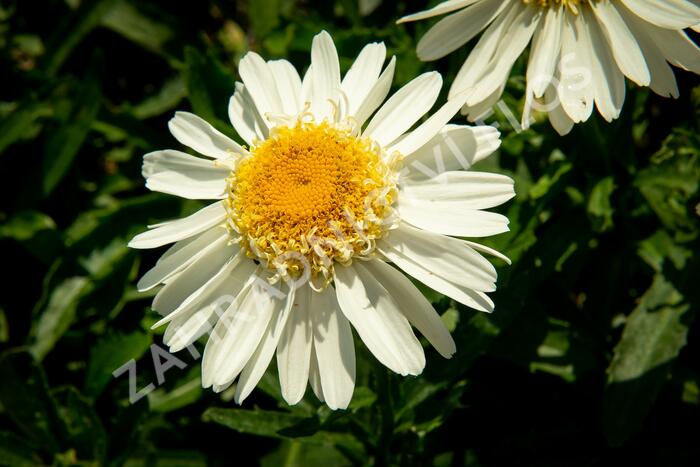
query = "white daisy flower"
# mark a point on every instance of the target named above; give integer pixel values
(309, 217)
(581, 51)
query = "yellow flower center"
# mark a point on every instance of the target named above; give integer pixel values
(310, 195)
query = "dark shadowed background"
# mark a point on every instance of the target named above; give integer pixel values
(591, 358)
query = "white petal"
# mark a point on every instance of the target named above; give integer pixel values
(325, 78)
(677, 47)
(557, 117)
(446, 257)
(377, 94)
(575, 89)
(197, 317)
(294, 348)
(668, 14)
(461, 191)
(334, 349)
(363, 75)
(202, 269)
(481, 56)
(546, 45)
(417, 269)
(663, 80)
(516, 37)
(178, 173)
(608, 80)
(209, 303)
(452, 218)
(457, 29)
(260, 84)
(454, 147)
(199, 135)
(413, 304)
(245, 117)
(239, 331)
(187, 251)
(288, 85)
(489, 251)
(428, 129)
(315, 378)
(404, 108)
(172, 231)
(260, 360)
(622, 42)
(378, 321)
(441, 9)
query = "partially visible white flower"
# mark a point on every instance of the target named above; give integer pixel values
(308, 217)
(581, 51)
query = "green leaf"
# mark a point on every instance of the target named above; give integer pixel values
(187, 391)
(72, 30)
(17, 123)
(654, 334)
(599, 208)
(275, 424)
(58, 315)
(16, 452)
(63, 144)
(25, 397)
(210, 87)
(110, 353)
(264, 16)
(4, 327)
(83, 427)
(25, 224)
(297, 454)
(126, 19)
(168, 98)
(557, 171)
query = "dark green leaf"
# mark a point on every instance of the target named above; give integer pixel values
(654, 335)
(58, 315)
(84, 428)
(25, 397)
(110, 353)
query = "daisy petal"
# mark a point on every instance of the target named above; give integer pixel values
(376, 95)
(404, 108)
(669, 14)
(624, 46)
(195, 276)
(378, 320)
(288, 85)
(458, 190)
(172, 231)
(454, 147)
(457, 29)
(181, 174)
(199, 135)
(245, 117)
(186, 252)
(413, 304)
(334, 350)
(294, 349)
(325, 78)
(363, 75)
(238, 332)
(441, 9)
(445, 257)
(260, 360)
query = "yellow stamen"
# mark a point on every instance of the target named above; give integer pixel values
(572, 5)
(309, 195)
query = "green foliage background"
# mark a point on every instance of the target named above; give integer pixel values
(592, 356)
